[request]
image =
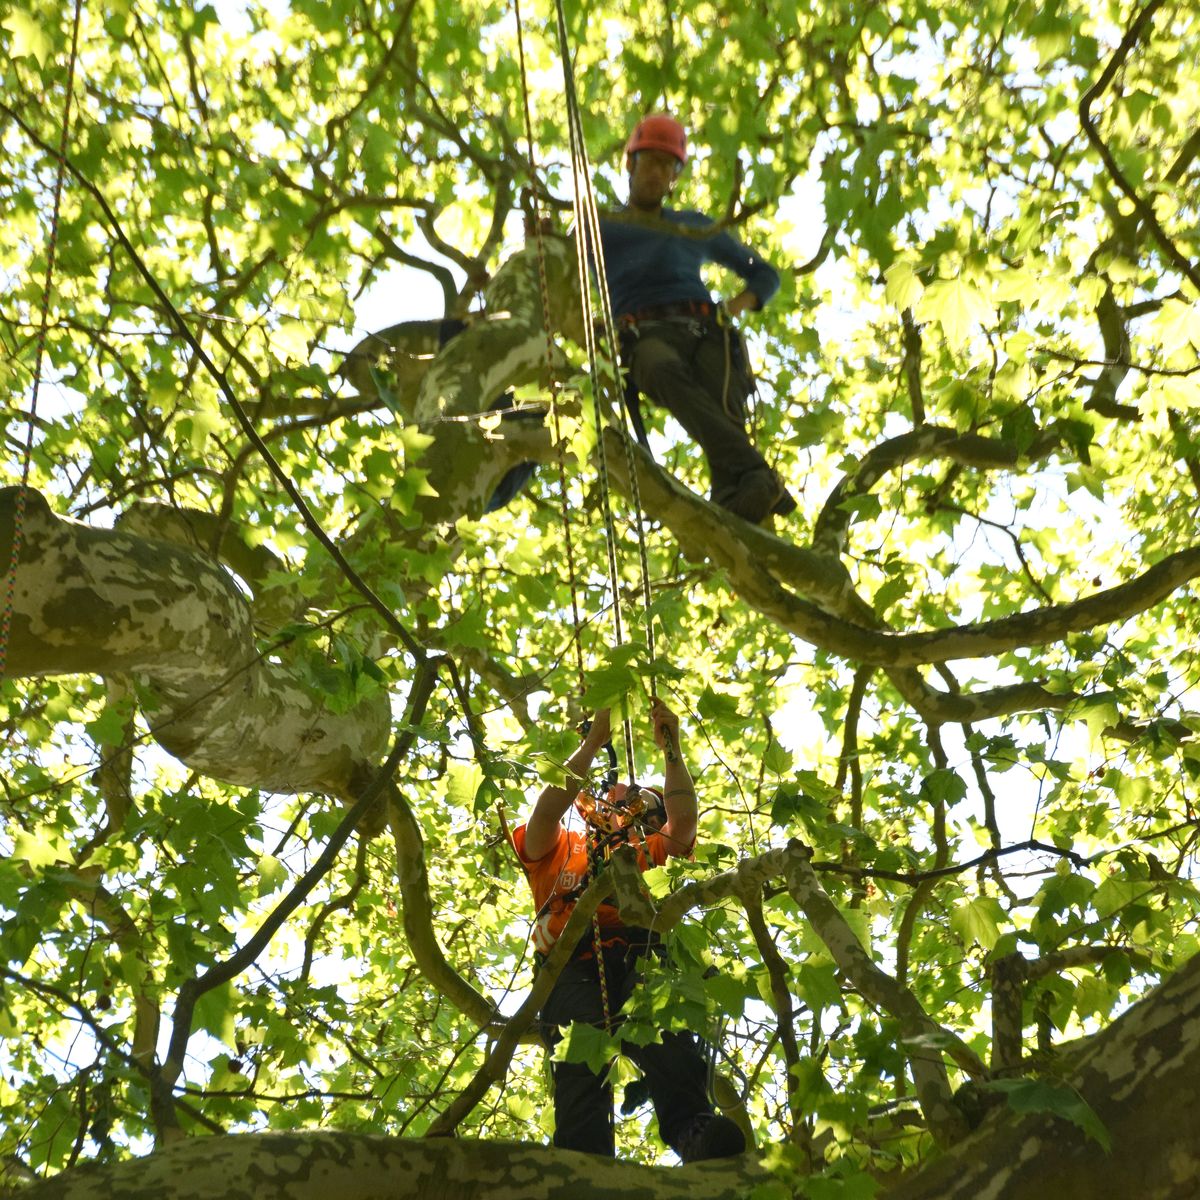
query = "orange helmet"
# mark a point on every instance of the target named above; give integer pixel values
(658, 132)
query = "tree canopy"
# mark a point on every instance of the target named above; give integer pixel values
(276, 684)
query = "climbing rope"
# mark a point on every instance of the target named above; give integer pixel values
(585, 239)
(590, 249)
(544, 288)
(560, 455)
(592, 213)
(51, 252)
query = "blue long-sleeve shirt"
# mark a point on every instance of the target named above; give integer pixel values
(648, 266)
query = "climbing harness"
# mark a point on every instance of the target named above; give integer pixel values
(51, 253)
(615, 810)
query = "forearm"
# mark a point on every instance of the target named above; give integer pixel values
(580, 763)
(679, 797)
(679, 792)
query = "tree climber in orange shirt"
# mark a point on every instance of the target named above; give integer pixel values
(556, 863)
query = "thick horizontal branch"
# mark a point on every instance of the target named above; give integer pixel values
(325, 1165)
(707, 532)
(91, 601)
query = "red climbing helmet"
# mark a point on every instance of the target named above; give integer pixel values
(658, 132)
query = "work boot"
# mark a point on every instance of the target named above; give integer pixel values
(786, 503)
(758, 493)
(752, 497)
(709, 1136)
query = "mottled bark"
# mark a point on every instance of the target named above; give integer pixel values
(445, 391)
(346, 1166)
(258, 567)
(1008, 998)
(104, 602)
(1010, 975)
(502, 348)
(1142, 1078)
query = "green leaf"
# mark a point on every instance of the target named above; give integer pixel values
(290, 340)
(1058, 1099)
(789, 806)
(609, 685)
(1099, 716)
(522, 1108)
(727, 993)
(978, 921)
(958, 306)
(861, 506)
(818, 985)
(1177, 325)
(889, 592)
(777, 760)
(717, 706)
(272, 874)
(904, 288)
(384, 390)
(40, 847)
(1117, 892)
(585, 1043)
(108, 728)
(814, 428)
(462, 784)
(29, 38)
(851, 1183)
(214, 1013)
(943, 787)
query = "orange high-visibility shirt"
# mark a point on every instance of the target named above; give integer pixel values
(559, 872)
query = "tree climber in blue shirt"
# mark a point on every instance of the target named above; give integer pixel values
(678, 352)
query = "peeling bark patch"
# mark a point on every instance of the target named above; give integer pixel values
(81, 609)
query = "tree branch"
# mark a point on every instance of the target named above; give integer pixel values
(1144, 210)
